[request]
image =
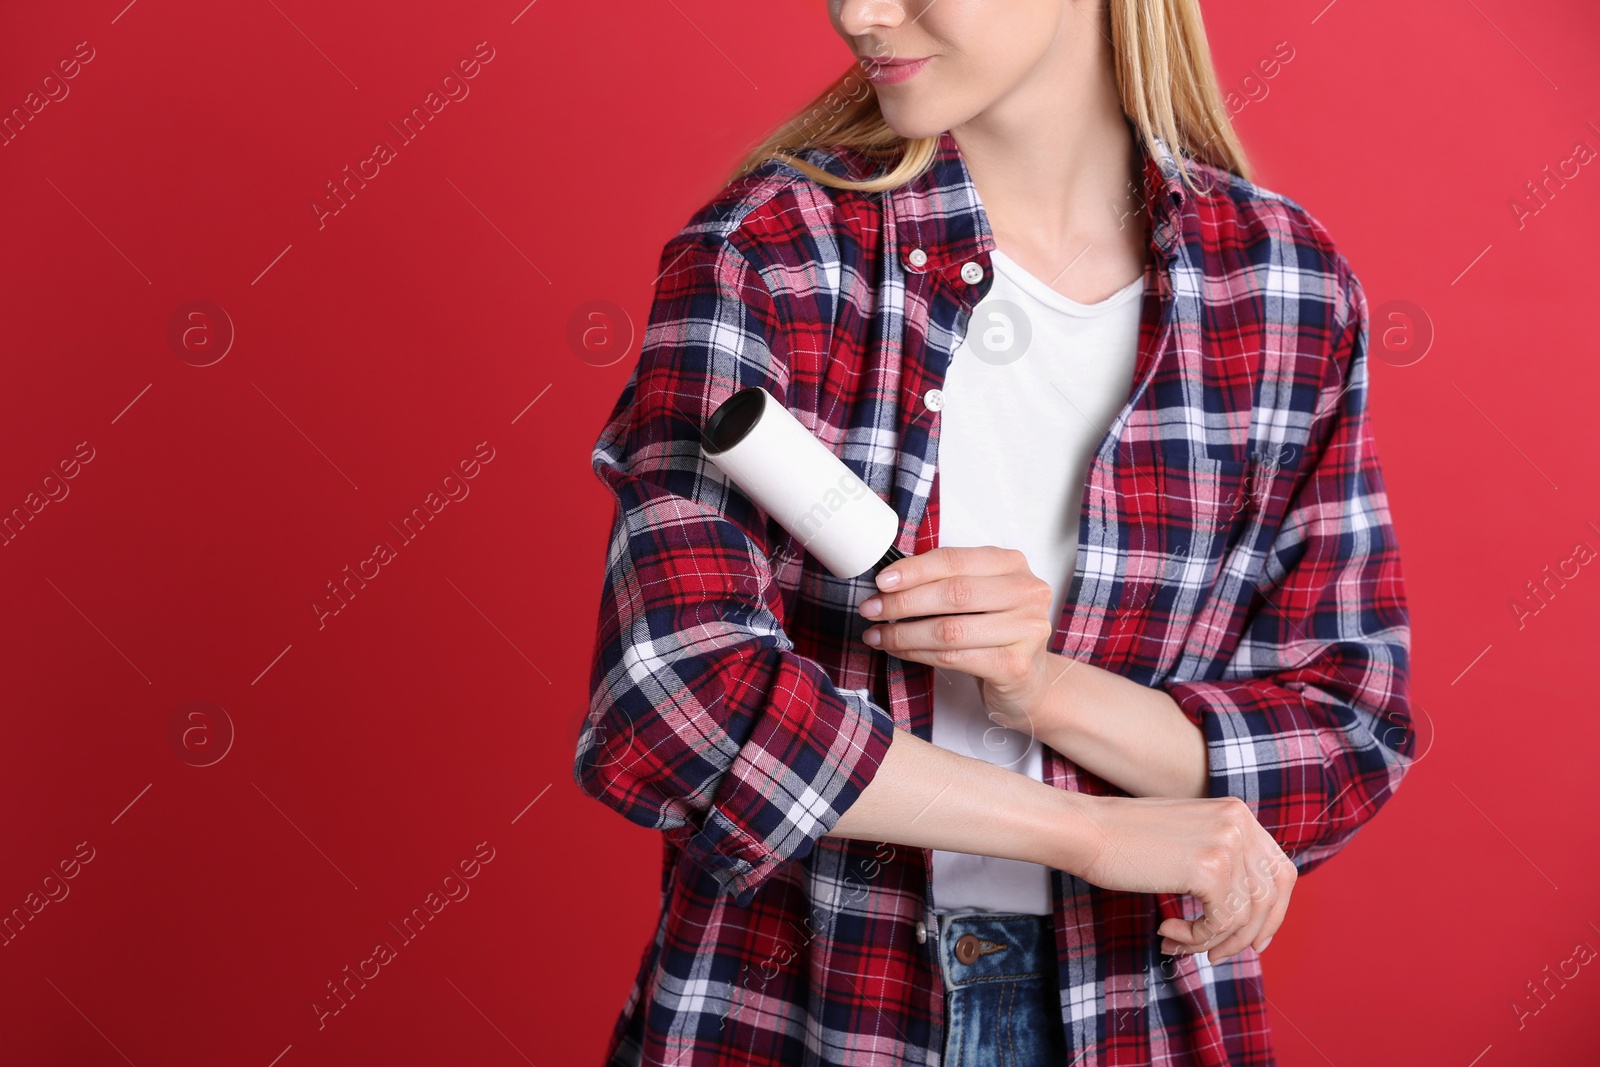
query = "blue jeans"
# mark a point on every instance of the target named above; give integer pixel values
(1002, 1005)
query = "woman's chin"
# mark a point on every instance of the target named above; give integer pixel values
(912, 122)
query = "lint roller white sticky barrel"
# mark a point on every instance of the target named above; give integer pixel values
(764, 450)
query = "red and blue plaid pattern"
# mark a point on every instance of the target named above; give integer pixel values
(1235, 549)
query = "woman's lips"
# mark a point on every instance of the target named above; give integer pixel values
(889, 71)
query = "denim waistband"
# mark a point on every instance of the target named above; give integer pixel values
(990, 947)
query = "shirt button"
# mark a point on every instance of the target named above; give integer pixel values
(922, 932)
(918, 257)
(933, 400)
(972, 272)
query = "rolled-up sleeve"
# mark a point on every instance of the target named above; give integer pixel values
(1310, 723)
(704, 722)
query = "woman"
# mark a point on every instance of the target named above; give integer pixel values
(1044, 798)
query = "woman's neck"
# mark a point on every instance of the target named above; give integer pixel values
(1097, 240)
(1057, 167)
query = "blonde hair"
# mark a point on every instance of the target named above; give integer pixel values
(1163, 75)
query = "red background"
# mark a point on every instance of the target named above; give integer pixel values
(439, 708)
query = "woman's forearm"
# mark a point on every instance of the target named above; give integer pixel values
(925, 796)
(1134, 736)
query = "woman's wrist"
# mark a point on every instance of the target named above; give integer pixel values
(1074, 838)
(1049, 716)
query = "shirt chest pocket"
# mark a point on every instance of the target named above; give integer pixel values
(1180, 512)
(1204, 497)
(1187, 496)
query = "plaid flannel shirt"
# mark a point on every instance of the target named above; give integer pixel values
(1235, 549)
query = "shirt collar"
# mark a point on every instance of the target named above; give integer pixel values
(940, 224)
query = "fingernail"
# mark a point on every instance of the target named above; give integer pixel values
(872, 607)
(872, 636)
(888, 579)
(1265, 943)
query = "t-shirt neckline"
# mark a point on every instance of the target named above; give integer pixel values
(1036, 288)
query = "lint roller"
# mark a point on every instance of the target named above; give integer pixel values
(764, 450)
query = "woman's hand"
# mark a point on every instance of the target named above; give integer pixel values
(1212, 848)
(987, 615)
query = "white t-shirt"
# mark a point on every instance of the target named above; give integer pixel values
(1027, 397)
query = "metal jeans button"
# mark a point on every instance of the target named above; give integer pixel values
(967, 948)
